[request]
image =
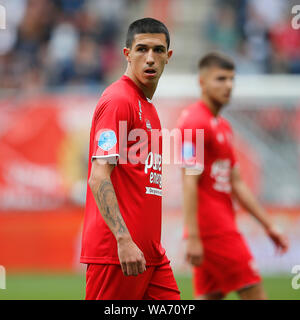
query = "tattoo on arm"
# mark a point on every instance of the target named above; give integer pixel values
(108, 205)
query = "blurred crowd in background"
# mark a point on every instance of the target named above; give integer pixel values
(257, 33)
(60, 42)
(64, 42)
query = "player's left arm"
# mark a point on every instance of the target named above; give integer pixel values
(248, 201)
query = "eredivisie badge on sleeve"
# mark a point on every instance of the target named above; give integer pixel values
(192, 160)
(106, 143)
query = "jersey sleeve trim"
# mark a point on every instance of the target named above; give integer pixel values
(193, 170)
(236, 165)
(108, 156)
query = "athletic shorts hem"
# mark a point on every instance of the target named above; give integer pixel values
(248, 285)
(225, 292)
(240, 286)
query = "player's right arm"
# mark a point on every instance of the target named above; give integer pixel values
(194, 250)
(131, 257)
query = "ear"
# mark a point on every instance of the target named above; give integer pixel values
(170, 53)
(201, 79)
(126, 52)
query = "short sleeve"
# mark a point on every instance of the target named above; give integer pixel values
(112, 121)
(194, 137)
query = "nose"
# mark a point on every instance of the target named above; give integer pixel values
(229, 83)
(150, 58)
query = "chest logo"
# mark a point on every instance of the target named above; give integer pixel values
(220, 173)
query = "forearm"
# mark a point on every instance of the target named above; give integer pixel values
(247, 200)
(190, 204)
(131, 258)
(107, 203)
(194, 250)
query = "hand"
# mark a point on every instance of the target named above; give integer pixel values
(279, 239)
(131, 258)
(194, 251)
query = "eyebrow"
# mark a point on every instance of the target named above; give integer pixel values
(146, 46)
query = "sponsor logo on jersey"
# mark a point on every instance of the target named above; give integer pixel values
(107, 140)
(153, 167)
(154, 191)
(220, 172)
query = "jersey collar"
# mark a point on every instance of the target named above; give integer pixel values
(133, 85)
(201, 103)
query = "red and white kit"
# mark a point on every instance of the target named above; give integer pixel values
(138, 189)
(228, 264)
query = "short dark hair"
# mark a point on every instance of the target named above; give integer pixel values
(146, 25)
(216, 59)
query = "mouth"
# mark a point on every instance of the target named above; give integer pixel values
(150, 72)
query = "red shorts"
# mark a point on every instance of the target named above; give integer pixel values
(107, 282)
(227, 266)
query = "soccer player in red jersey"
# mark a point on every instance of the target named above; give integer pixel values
(121, 242)
(221, 259)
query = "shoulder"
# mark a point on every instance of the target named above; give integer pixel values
(226, 124)
(194, 116)
(186, 116)
(115, 98)
(117, 92)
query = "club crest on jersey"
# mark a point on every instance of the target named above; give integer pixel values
(148, 125)
(220, 137)
(107, 140)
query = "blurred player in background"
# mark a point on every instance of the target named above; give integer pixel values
(122, 228)
(221, 259)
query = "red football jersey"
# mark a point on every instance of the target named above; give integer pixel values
(122, 125)
(215, 209)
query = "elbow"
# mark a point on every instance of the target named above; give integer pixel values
(95, 180)
(99, 173)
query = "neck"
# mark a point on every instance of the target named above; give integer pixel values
(147, 90)
(213, 105)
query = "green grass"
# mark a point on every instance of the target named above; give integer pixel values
(72, 287)
(277, 288)
(44, 287)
